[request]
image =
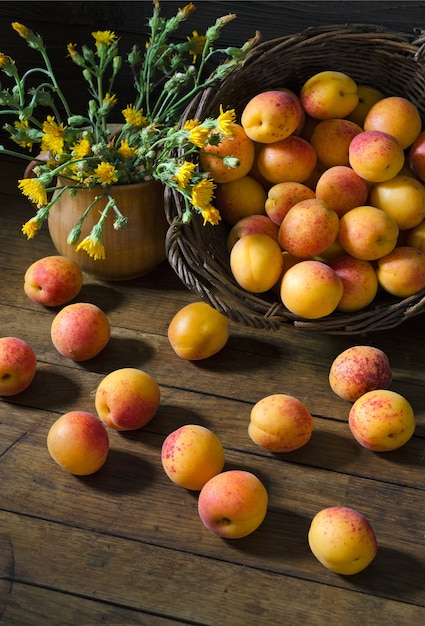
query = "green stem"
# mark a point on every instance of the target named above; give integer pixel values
(4, 150)
(57, 89)
(17, 112)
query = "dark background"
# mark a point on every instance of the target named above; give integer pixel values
(62, 22)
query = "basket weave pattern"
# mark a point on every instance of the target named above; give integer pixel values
(389, 61)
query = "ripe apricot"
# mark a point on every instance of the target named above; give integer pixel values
(198, 331)
(78, 442)
(311, 289)
(289, 160)
(240, 146)
(280, 423)
(256, 262)
(239, 198)
(80, 331)
(191, 455)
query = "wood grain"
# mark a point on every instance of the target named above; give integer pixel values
(126, 546)
(129, 539)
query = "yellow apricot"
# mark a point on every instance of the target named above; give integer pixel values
(256, 262)
(198, 331)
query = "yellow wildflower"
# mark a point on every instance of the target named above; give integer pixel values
(31, 228)
(197, 44)
(81, 148)
(226, 122)
(134, 116)
(74, 172)
(190, 124)
(211, 215)
(5, 60)
(186, 10)
(110, 99)
(71, 49)
(106, 173)
(93, 247)
(53, 138)
(23, 126)
(22, 30)
(184, 174)
(33, 190)
(202, 193)
(126, 151)
(199, 136)
(106, 37)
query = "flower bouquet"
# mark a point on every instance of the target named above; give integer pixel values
(71, 150)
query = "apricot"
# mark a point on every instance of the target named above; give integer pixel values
(191, 455)
(78, 442)
(359, 281)
(53, 280)
(402, 272)
(367, 233)
(331, 140)
(415, 237)
(256, 262)
(127, 399)
(240, 198)
(396, 116)
(80, 331)
(311, 289)
(280, 423)
(359, 369)
(342, 189)
(289, 160)
(402, 198)
(239, 146)
(282, 196)
(376, 156)
(198, 331)
(251, 225)
(272, 115)
(308, 228)
(18, 365)
(342, 540)
(382, 420)
(233, 504)
(368, 96)
(329, 94)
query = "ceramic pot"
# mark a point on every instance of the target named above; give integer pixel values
(131, 252)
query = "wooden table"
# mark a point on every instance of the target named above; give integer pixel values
(125, 545)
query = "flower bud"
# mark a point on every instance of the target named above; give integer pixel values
(134, 57)
(74, 235)
(76, 120)
(231, 162)
(116, 63)
(88, 54)
(92, 107)
(120, 222)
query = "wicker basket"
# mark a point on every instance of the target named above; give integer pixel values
(392, 62)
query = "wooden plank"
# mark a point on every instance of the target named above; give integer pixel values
(126, 546)
(131, 574)
(26, 605)
(60, 389)
(279, 362)
(133, 471)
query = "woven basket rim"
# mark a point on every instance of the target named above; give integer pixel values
(190, 250)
